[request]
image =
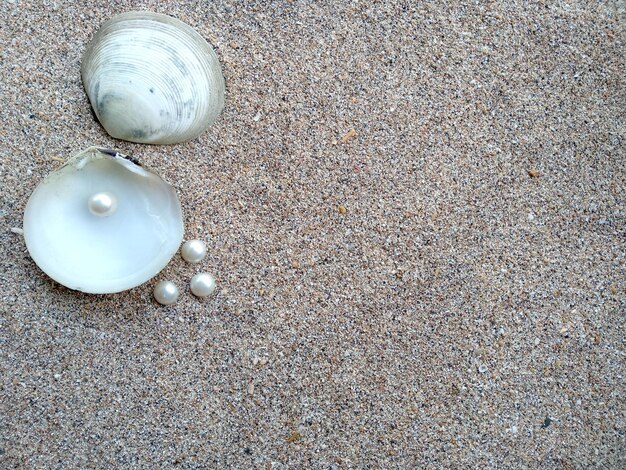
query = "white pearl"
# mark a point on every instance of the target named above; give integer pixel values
(202, 285)
(193, 251)
(166, 292)
(102, 204)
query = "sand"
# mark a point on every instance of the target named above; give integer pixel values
(442, 288)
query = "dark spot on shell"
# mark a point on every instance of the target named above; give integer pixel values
(111, 152)
(96, 91)
(151, 90)
(115, 153)
(138, 133)
(102, 104)
(130, 159)
(174, 58)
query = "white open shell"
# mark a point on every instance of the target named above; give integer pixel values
(152, 79)
(107, 252)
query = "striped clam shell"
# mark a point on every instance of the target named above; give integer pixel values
(152, 79)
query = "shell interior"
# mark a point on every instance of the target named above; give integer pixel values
(102, 254)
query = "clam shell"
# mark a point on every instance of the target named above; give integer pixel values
(152, 79)
(80, 245)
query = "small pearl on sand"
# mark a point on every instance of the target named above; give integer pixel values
(193, 251)
(166, 292)
(202, 285)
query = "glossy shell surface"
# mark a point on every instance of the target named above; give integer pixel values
(106, 251)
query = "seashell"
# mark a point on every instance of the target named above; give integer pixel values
(152, 79)
(102, 224)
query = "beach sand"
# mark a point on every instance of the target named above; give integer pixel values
(415, 214)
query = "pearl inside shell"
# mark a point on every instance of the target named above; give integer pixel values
(102, 204)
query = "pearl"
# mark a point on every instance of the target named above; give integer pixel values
(193, 251)
(202, 285)
(102, 204)
(166, 292)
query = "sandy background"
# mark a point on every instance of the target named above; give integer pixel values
(461, 313)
